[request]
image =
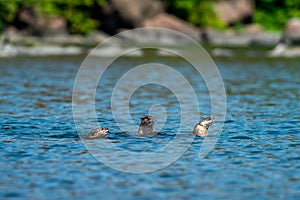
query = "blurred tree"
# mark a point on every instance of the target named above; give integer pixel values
(273, 14)
(8, 10)
(79, 14)
(198, 12)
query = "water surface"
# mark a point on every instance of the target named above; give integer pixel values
(257, 155)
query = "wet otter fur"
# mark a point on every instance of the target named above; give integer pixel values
(201, 128)
(97, 133)
(146, 125)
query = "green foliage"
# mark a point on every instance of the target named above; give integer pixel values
(198, 12)
(78, 13)
(180, 8)
(273, 14)
(204, 15)
(8, 11)
(80, 22)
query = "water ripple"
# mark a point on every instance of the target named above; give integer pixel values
(256, 155)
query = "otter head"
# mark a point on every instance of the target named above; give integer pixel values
(207, 122)
(147, 121)
(97, 133)
(146, 125)
(202, 127)
(104, 130)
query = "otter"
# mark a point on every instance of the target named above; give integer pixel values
(146, 125)
(201, 128)
(97, 133)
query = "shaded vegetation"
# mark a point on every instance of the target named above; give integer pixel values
(198, 12)
(80, 15)
(83, 16)
(273, 14)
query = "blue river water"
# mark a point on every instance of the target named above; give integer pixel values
(257, 155)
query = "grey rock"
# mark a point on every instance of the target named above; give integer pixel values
(173, 23)
(48, 50)
(157, 36)
(291, 35)
(35, 24)
(220, 52)
(134, 12)
(267, 39)
(8, 50)
(283, 50)
(115, 51)
(232, 11)
(232, 39)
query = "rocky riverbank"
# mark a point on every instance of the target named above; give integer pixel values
(42, 37)
(12, 44)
